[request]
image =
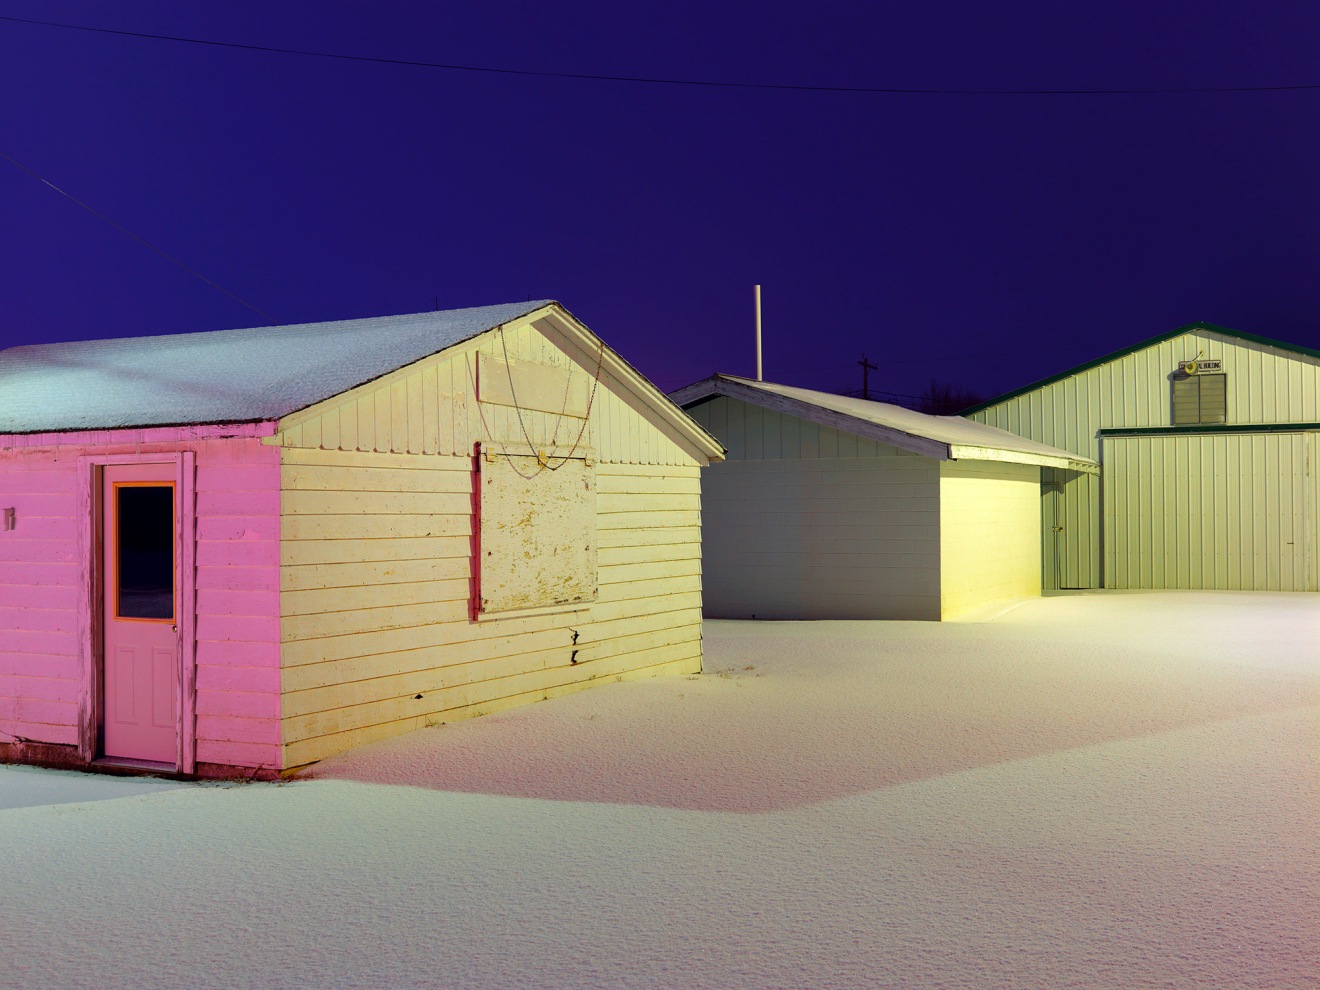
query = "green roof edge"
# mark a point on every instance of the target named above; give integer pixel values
(1132, 348)
(1141, 431)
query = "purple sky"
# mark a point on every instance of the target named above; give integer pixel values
(984, 240)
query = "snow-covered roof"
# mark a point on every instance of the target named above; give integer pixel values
(221, 376)
(946, 437)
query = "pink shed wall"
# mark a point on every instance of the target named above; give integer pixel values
(237, 580)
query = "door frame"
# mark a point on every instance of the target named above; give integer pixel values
(90, 568)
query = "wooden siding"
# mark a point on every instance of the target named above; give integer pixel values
(807, 522)
(1234, 512)
(989, 534)
(376, 586)
(39, 596)
(429, 408)
(237, 647)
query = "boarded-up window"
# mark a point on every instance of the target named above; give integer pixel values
(1199, 399)
(538, 532)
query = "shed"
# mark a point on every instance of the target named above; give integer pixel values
(254, 548)
(1208, 440)
(831, 507)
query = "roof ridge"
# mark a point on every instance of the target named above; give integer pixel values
(1205, 325)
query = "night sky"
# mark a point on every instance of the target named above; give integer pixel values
(981, 240)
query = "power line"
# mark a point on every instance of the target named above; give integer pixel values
(667, 81)
(141, 240)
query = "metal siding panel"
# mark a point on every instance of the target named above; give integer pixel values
(754, 437)
(773, 440)
(829, 442)
(792, 438)
(1312, 520)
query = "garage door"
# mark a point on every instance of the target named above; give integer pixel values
(1214, 511)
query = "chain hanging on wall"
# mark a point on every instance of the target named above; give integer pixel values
(543, 460)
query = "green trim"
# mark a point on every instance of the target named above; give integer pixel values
(1151, 431)
(1125, 351)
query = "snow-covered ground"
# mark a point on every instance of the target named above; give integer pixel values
(1097, 790)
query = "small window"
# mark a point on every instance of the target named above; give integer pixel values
(1199, 398)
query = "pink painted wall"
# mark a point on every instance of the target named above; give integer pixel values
(237, 561)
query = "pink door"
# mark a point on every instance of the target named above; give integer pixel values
(140, 568)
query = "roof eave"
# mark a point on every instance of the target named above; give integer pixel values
(970, 452)
(617, 367)
(722, 385)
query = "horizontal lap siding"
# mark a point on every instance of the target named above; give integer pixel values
(39, 669)
(377, 612)
(238, 534)
(237, 508)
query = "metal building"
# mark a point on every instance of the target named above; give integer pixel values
(1207, 439)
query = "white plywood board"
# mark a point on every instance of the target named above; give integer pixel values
(531, 385)
(538, 533)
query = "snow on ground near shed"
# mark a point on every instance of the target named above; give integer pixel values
(1088, 791)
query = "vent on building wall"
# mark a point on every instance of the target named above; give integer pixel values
(1199, 398)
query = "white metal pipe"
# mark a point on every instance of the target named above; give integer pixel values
(758, 333)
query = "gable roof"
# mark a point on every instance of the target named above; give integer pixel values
(1142, 345)
(942, 437)
(221, 376)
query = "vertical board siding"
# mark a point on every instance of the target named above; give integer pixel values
(820, 525)
(376, 571)
(1264, 385)
(430, 408)
(989, 534)
(237, 511)
(1231, 512)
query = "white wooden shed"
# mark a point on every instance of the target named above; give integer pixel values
(830, 507)
(1208, 440)
(254, 548)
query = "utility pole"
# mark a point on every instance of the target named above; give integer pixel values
(757, 293)
(867, 368)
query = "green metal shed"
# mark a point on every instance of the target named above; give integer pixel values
(1207, 439)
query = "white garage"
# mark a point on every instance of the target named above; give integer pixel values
(830, 507)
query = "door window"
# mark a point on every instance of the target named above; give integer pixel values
(144, 537)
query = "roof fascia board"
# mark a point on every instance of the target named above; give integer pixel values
(829, 417)
(556, 322)
(1201, 326)
(584, 347)
(967, 452)
(690, 395)
(221, 429)
(1203, 428)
